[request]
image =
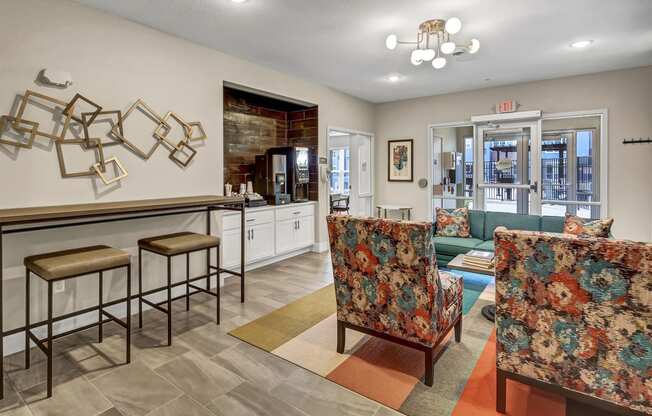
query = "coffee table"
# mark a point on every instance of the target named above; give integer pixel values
(457, 263)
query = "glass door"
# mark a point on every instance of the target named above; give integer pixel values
(506, 173)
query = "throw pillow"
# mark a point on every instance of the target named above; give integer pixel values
(453, 223)
(578, 226)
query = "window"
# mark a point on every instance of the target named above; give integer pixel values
(340, 178)
(570, 167)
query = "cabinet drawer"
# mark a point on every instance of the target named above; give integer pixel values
(257, 217)
(295, 212)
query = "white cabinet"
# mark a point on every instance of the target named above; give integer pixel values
(295, 228)
(260, 242)
(269, 231)
(231, 248)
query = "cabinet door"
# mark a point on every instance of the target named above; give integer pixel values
(261, 243)
(285, 240)
(231, 248)
(305, 233)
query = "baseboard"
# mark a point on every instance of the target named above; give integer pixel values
(321, 247)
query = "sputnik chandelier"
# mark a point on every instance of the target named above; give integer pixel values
(434, 41)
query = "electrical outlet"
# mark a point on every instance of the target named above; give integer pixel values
(59, 287)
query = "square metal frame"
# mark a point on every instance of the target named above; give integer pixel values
(8, 120)
(91, 170)
(199, 127)
(98, 170)
(70, 108)
(186, 127)
(87, 123)
(21, 112)
(177, 149)
(140, 104)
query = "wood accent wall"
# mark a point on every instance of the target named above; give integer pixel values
(249, 130)
(254, 124)
(303, 130)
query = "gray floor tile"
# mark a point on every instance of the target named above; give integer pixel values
(72, 397)
(318, 396)
(182, 406)
(248, 400)
(199, 378)
(135, 390)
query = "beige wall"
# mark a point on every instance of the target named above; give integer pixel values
(115, 61)
(627, 94)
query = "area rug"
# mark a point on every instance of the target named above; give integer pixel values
(304, 333)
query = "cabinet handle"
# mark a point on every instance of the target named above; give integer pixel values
(251, 220)
(297, 212)
(248, 234)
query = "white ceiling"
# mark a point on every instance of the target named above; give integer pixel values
(340, 43)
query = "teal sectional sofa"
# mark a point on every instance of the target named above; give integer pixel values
(482, 226)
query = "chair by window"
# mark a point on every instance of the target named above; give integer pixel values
(339, 203)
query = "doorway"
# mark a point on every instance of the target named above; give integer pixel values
(507, 180)
(350, 170)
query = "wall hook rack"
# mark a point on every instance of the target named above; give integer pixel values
(637, 141)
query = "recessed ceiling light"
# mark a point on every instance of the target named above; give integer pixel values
(394, 77)
(238, 1)
(581, 44)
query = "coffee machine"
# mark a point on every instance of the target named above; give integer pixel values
(283, 174)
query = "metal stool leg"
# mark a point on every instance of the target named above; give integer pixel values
(217, 263)
(100, 327)
(169, 300)
(187, 281)
(50, 346)
(27, 310)
(129, 313)
(140, 288)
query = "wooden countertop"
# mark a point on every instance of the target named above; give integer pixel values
(58, 212)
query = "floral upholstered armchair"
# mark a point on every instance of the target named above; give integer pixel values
(575, 315)
(387, 284)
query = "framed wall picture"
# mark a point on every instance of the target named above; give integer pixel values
(400, 160)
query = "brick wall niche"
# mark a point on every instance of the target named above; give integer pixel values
(254, 123)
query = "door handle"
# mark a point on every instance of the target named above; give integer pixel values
(535, 186)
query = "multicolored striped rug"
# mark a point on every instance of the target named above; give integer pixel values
(304, 333)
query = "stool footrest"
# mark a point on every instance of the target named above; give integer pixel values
(154, 305)
(201, 289)
(115, 319)
(175, 284)
(39, 343)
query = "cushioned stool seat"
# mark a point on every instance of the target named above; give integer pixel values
(75, 262)
(178, 243)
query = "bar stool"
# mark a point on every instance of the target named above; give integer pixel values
(68, 264)
(171, 245)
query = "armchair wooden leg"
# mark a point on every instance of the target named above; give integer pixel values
(430, 370)
(501, 391)
(458, 330)
(341, 337)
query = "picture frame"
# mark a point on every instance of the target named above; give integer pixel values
(400, 160)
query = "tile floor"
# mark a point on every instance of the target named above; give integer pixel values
(206, 372)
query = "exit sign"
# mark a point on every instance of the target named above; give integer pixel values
(507, 106)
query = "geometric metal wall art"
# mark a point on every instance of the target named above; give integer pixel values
(37, 99)
(158, 135)
(97, 151)
(109, 163)
(26, 131)
(113, 117)
(197, 132)
(170, 116)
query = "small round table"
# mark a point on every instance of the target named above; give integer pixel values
(404, 209)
